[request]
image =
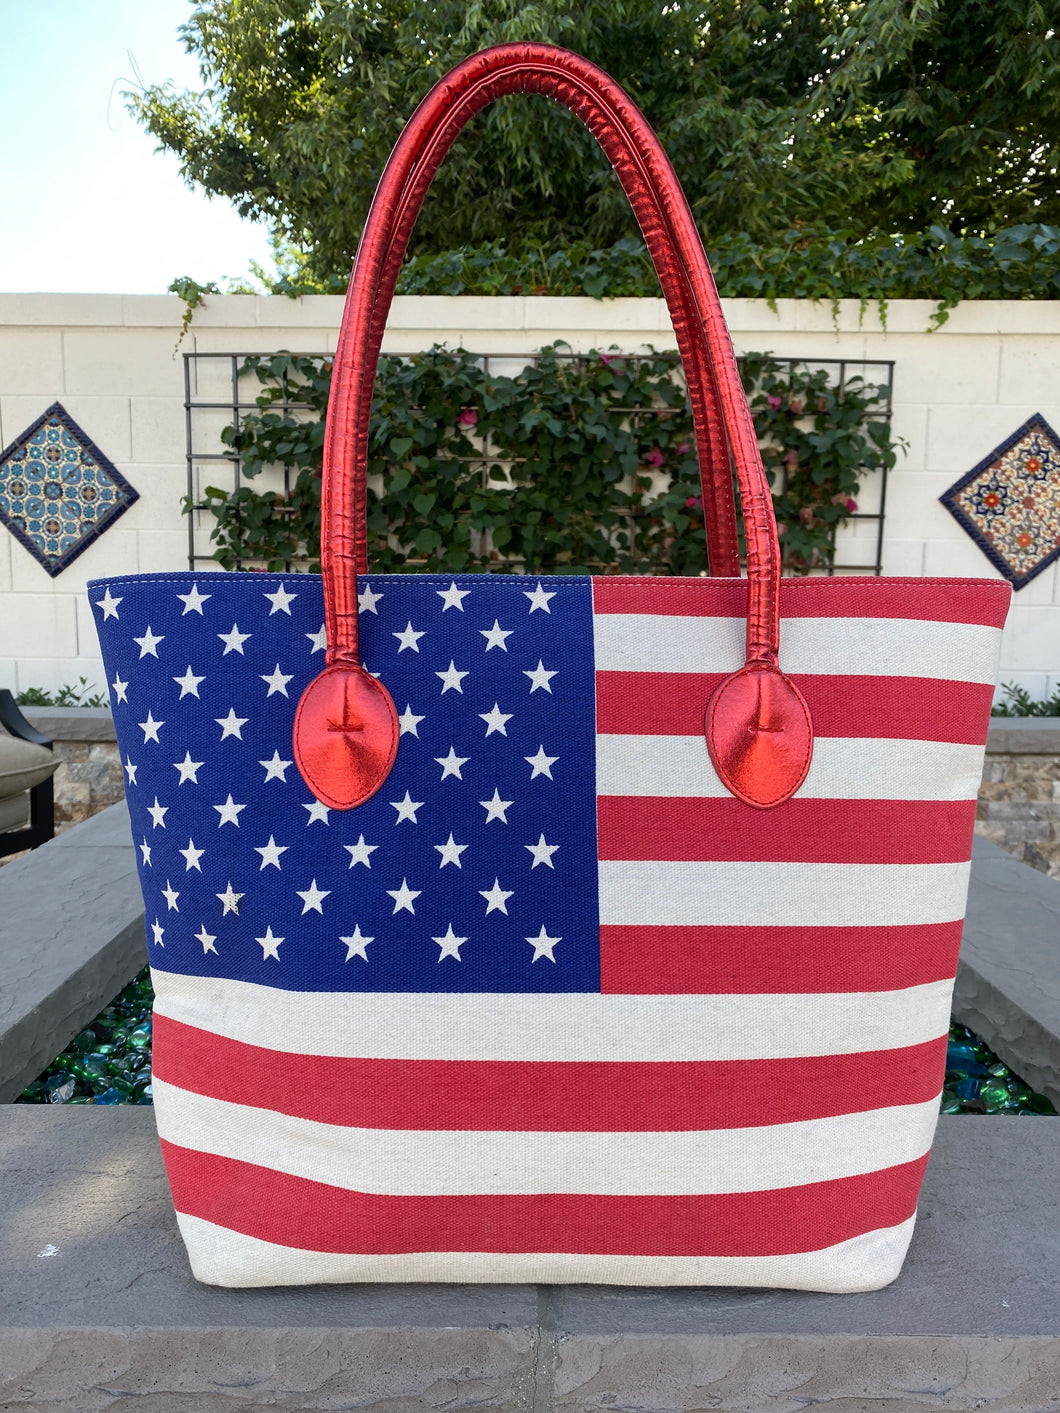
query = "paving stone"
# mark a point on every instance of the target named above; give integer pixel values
(97, 1306)
(71, 937)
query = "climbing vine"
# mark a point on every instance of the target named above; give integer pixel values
(573, 465)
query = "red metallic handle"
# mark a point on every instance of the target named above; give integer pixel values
(753, 711)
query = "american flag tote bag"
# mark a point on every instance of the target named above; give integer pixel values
(555, 929)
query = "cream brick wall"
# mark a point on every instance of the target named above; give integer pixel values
(110, 360)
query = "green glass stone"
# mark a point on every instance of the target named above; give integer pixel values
(85, 1040)
(994, 1096)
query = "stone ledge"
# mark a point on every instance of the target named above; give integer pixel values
(72, 723)
(72, 936)
(98, 1306)
(1008, 981)
(1024, 736)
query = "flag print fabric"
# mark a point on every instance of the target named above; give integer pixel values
(552, 1005)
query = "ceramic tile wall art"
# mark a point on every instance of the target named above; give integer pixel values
(1010, 503)
(58, 492)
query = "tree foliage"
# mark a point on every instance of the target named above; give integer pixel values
(859, 115)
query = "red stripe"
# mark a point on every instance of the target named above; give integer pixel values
(544, 1097)
(762, 961)
(686, 828)
(981, 601)
(312, 1216)
(894, 708)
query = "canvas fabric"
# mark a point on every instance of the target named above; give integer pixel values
(553, 1006)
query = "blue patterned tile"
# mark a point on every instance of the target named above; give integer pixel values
(1010, 503)
(58, 492)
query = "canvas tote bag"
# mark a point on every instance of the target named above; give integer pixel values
(560, 929)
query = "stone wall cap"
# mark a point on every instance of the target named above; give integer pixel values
(1023, 735)
(72, 723)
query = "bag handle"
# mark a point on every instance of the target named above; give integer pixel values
(346, 729)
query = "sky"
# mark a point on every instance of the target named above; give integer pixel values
(88, 205)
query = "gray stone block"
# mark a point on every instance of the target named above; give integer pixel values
(71, 936)
(1008, 980)
(72, 723)
(97, 1306)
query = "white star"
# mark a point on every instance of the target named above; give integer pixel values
(407, 808)
(495, 636)
(109, 604)
(495, 720)
(495, 808)
(450, 944)
(158, 930)
(149, 643)
(451, 679)
(158, 814)
(130, 770)
(496, 898)
(452, 597)
(270, 853)
(229, 812)
(366, 600)
(192, 855)
(281, 601)
(230, 900)
(145, 849)
(359, 854)
(312, 898)
(409, 721)
(277, 680)
(355, 945)
(207, 939)
(409, 638)
(403, 897)
(539, 597)
(119, 690)
(274, 769)
(188, 684)
(187, 768)
(319, 639)
(233, 641)
(318, 813)
(542, 852)
(540, 677)
(541, 763)
(269, 945)
(450, 852)
(542, 945)
(150, 728)
(451, 764)
(171, 895)
(194, 601)
(231, 724)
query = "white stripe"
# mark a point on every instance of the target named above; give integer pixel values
(667, 894)
(872, 647)
(446, 1163)
(571, 1026)
(842, 768)
(228, 1258)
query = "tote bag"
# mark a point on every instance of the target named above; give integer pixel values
(551, 929)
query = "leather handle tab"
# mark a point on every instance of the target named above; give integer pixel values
(721, 416)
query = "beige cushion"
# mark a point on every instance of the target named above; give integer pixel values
(23, 764)
(14, 813)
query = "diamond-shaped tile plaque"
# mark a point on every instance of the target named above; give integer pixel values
(58, 492)
(1010, 502)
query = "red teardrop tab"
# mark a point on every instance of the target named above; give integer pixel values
(759, 735)
(346, 732)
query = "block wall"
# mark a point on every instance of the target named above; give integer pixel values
(111, 361)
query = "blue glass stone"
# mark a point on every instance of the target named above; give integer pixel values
(60, 1088)
(109, 1096)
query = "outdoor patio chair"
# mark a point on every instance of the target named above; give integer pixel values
(27, 764)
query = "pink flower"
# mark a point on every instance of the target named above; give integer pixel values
(692, 503)
(852, 505)
(791, 459)
(683, 449)
(467, 418)
(795, 406)
(774, 402)
(654, 457)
